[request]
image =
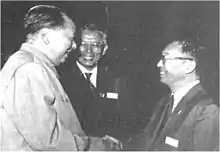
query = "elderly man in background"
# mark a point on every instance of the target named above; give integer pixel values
(100, 97)
(35, 112)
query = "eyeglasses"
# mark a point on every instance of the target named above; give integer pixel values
(91, 45)
(163, 59)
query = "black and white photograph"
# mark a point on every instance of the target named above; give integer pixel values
(109, 76)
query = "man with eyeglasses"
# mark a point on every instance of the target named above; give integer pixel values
(187, 119)
(92, 88)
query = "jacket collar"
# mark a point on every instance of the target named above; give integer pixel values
(186, 100)
(38, 54)
(176, 118)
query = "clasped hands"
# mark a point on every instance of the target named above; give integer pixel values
(112, 143)
(106, 143)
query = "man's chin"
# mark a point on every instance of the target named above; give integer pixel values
(89, 65)
(61, 61)
(162, 80)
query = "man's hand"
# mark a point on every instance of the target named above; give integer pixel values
(106, 143)
(112, 143)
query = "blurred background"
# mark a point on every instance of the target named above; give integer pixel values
(137, 32)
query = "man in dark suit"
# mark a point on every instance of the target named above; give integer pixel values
(96, 94)
(187, 118)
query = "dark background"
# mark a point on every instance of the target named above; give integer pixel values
(137, 32)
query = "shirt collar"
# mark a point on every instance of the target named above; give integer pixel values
(84, 70)
(37, 53)
(178, 95)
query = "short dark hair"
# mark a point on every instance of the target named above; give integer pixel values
(94, 27)
(196, 51)
(43, 16)
(190, 47)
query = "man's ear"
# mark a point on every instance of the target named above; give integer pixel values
(105, 49)
(191, 66)
(44, 35)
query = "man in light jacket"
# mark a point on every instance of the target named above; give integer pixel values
(35, 112)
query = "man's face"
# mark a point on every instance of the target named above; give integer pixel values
(173, 64)
(62, 42)
(91, 48)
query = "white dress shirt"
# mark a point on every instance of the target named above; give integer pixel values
(93, 77)
(178, 95)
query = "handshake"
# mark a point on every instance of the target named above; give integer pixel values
(112, 143)
(106, 143)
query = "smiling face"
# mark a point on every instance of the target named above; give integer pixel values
(174, 65)
(61, 42)
(91, 49)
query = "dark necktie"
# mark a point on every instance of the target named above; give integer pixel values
(88, 76)
(170, 106)
(167, 112)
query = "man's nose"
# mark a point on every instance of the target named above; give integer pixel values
(89, 49)
(74, 46)
(159, 64)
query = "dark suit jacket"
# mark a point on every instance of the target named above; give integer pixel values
(193, 125)
(97, 112)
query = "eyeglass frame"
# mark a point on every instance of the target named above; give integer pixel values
(92, 45)
(163, 59)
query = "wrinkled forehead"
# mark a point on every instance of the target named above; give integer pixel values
(93, 36)
(173, 49)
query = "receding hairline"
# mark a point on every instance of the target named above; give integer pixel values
(99, 33)
(67, 20)
(179, 45)
(174, 44)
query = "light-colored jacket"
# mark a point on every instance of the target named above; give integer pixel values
(35, 112)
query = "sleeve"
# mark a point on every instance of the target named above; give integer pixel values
(33, 117)
(206, 130)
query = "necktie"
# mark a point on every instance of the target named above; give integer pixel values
(88, 76)
(166, 115)
(170, 105)
(167, 111)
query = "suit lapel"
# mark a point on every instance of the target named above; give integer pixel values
(151, 131)
(181, 111)
(78, 71)
(100, 76)
(81, 84)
